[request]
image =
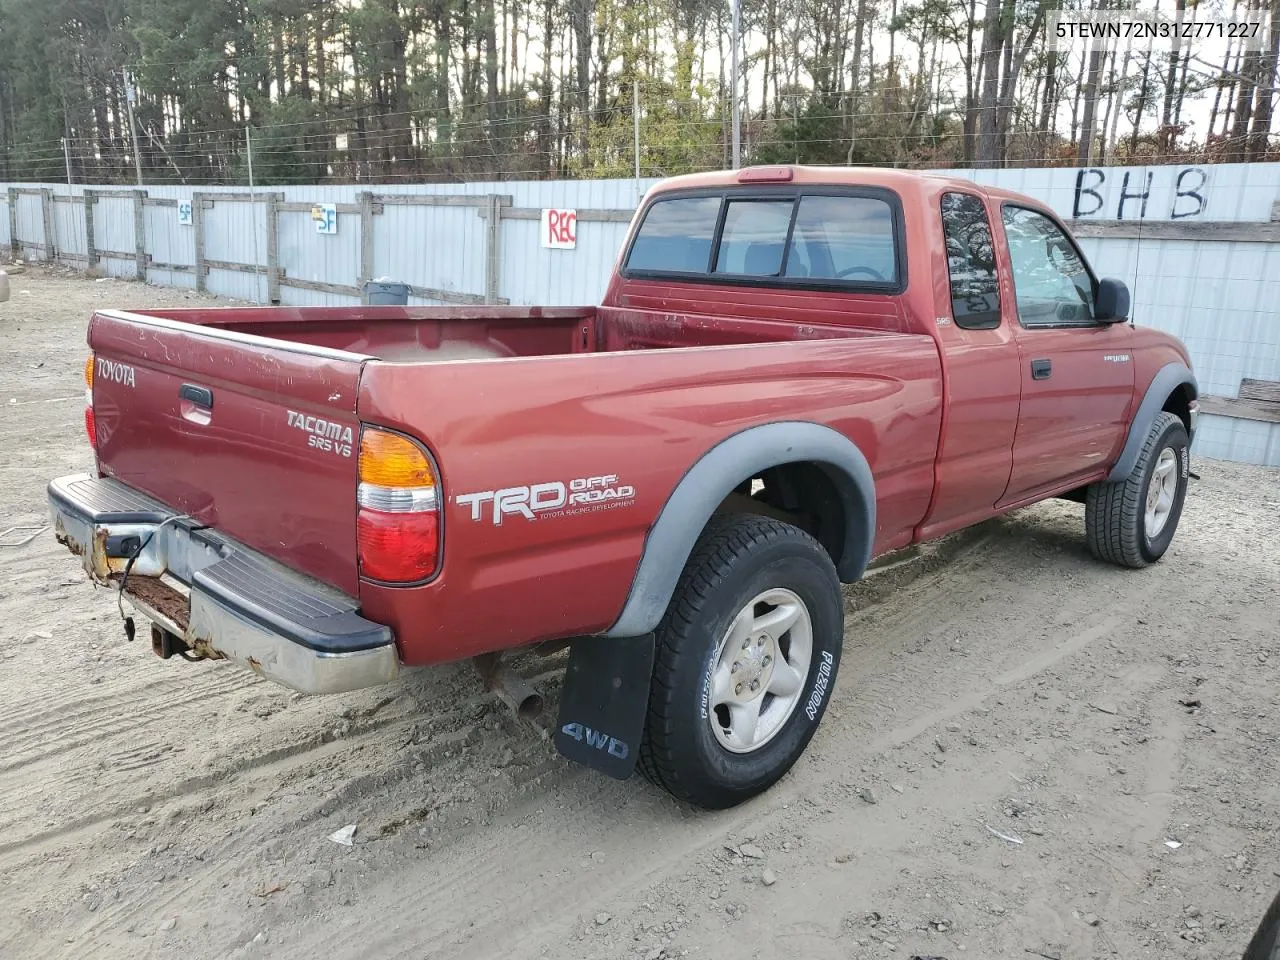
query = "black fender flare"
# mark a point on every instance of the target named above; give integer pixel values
(713, 477)
(1167, 379)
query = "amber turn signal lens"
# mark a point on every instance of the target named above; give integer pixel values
(88, 372)
(390, 460)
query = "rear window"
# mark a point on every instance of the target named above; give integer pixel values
(676, 236)
(791, 239)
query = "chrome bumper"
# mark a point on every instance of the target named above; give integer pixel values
(223, 600)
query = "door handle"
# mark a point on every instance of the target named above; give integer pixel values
(200, 396)
(1041, 369)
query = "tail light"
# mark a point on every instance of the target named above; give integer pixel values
(398, 516)
(89, 425)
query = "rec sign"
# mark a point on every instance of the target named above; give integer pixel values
(559, 229)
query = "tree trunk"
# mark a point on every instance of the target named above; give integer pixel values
(855, 77)
(988, 152)
(444, 43)
(1171, 83)
(969, 125)
(1237, 148)
(491, 64)
(1260, 129)
(1088, 121)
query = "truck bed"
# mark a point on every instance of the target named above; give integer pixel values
(247, 420)
(443, 334)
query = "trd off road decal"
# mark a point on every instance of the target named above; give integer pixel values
(549, 500)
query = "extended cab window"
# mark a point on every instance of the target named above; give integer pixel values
(1050, 280)
(792, 240)
(971, 262)
(676, 236)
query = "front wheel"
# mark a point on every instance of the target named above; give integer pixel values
(746, 655)
(1131, 522)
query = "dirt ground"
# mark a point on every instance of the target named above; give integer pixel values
(1018, 740)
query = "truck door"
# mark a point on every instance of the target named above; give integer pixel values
(1077, 373)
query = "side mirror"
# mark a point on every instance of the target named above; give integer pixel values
(1112, 302)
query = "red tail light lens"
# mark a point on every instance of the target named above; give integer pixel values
(397, 547)
(90, 427)
(398, 518)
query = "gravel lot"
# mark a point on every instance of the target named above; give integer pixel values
(1018, 739)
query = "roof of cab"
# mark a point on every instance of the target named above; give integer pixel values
(887, 177)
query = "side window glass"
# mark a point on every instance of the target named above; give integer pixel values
(971, 262)
(755, 234)
(843, 238)
(1050, 280)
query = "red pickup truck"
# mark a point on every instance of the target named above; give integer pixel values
(794, 371)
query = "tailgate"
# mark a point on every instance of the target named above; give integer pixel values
(254, 437)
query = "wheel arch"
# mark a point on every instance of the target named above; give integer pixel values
(1172, 388)
(715, 476)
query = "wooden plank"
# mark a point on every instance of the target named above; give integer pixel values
(237, 267)
(494, 206)
(90, 241)
(212, 198)
(585, 215)
(294, 206)
(451, 296)
(118, 192)
(366, 243)
(341, 289)
(1263, 410)
(273, 247)
(1213, 230)
(29, 191)
(140, 233)
(1265, 390)
(160, 202)
(50, 227)
(15, 245)
(174, 267)
(197, 224)
(432, 200)
(117, 255)
(1275, 210)
(59, 198)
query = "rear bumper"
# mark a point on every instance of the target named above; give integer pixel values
(222, 599)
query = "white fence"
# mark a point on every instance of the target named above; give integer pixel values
(1198, 246)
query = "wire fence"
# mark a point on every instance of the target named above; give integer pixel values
(566, 142)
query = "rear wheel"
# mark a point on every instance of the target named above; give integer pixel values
(745, 658)
(1131, 522)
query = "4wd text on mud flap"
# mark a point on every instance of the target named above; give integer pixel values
(595, 738)
(543, 498)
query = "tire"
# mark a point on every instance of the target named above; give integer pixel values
(687, 748)
(1116, 514)
(1265, 944)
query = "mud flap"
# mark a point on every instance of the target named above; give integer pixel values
(604, 702)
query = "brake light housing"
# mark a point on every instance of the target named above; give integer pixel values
(398, 529)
